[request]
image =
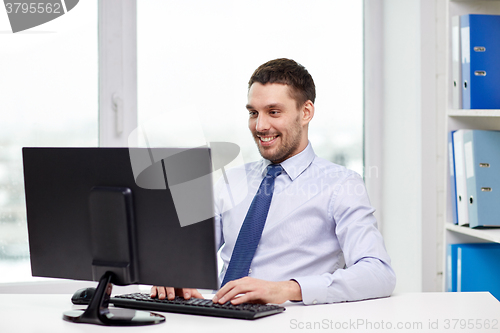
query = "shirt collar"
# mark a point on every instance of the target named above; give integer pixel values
(295, 165)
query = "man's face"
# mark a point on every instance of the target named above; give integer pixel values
(275, 122)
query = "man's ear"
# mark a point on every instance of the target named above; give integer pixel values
(307, 112)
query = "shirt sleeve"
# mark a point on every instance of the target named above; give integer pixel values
(367, 273)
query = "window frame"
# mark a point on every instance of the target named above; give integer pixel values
(117, 71)
(117, 90)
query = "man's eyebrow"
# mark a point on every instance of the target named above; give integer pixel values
(269, 106)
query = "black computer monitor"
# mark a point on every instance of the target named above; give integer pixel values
(109, 215)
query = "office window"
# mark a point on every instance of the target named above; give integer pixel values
(195, 58)
(49, 98)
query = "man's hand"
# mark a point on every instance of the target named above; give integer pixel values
(170, 292)
(258, 291)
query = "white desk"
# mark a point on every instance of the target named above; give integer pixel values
(419, 312)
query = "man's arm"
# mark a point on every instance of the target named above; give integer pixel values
(367, 273)
(368, 278)
(362, 281)
(258, 291)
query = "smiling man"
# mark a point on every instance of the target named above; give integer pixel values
(278, 129)
(306, 230)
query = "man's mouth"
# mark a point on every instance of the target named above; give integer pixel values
(267, 139)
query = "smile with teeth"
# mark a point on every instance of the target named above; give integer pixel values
(267, 138)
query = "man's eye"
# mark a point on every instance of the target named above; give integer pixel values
(252, 113)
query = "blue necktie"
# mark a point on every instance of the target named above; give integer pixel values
(251, 229)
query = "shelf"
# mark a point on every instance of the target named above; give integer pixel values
(474, 113)
(490, 235)
(472, 1)
(456, 119)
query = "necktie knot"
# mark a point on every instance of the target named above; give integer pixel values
(274, 170)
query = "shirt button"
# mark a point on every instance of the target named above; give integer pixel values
(315, 302)
(249, 271)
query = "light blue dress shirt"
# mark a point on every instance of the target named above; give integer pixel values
(320, 230)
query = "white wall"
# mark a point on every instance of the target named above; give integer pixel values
(404, 147)
(401, 174)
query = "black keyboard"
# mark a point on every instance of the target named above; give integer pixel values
(196, 306)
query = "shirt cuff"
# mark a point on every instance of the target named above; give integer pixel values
(313, 288)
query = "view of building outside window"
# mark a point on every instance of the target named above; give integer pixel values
(48, 90)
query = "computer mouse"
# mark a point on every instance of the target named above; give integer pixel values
(83, 296)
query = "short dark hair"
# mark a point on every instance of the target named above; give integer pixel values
(289, 72)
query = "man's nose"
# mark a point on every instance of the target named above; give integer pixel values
(262, 124)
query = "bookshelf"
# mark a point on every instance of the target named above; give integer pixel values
(489, 235)
(474, 113)
(466, 119)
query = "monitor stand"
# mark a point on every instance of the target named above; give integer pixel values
(98, 312)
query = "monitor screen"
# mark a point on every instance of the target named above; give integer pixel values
(93, 209)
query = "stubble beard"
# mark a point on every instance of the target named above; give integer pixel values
(286, 149)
